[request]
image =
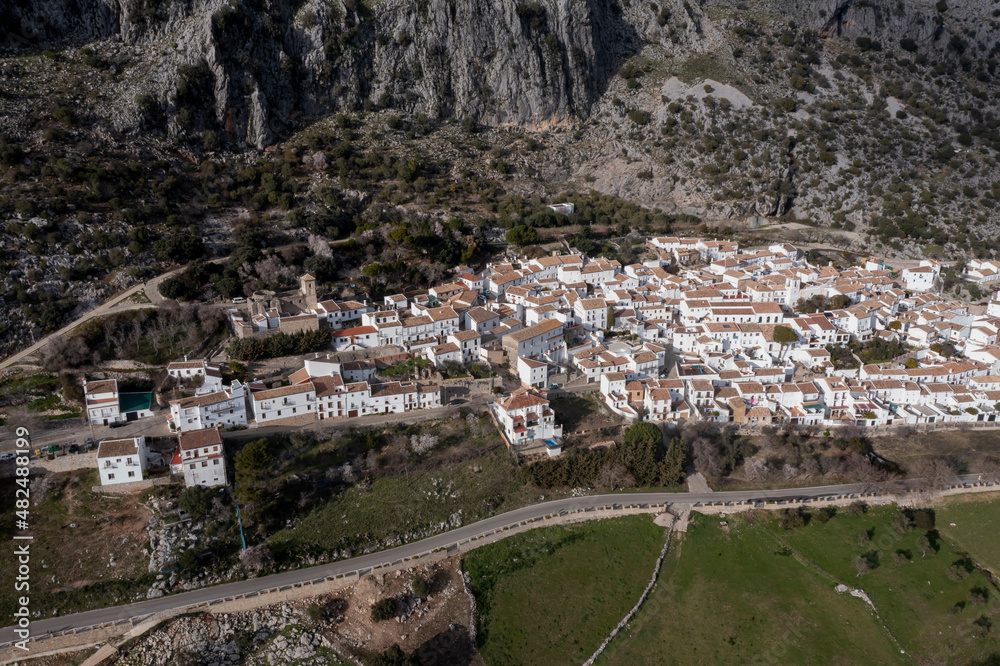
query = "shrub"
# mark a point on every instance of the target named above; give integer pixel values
(383, 609)
(421, 587)
(194, 502)
(639, 117)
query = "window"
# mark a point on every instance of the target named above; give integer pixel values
(131, 474)
(111, 477)
(215, 462)
(204, 463)
(193, 466)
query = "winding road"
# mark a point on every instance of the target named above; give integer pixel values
(444, 540)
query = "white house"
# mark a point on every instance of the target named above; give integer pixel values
(532, 372)
(441, 354)
(922, 277)
(121, 460)
(281, 404)
(101, 398)
(543, 340)
(524, 416)
(202, 458)
(468, 343)
(225, 408)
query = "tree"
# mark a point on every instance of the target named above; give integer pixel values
(521, 235)
(384, 609)
(189, 559)
(611, 318)
(614, 476)
(194, 502)
(785, 336)
(394, 656)
(839, 302)
(673, 464)
(861, 565)
(252, 463)
(639, 450)
(925, 546)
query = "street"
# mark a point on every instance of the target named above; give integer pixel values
(443, 540)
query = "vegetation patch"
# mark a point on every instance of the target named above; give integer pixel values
(553, 594)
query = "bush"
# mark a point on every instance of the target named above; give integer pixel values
(825, 514)
(956, 572)
(194, 502)
(281, 344)
(384, 609)
(639, 117)
(790, 519)
(421, 587)
(522, 235)
(857, 508)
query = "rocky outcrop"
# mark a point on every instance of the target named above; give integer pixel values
(531, 63)
(250, 69)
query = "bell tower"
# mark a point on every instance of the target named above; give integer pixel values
(307, 285)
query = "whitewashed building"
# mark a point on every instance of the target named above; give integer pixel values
(226, 408)
(121, 460)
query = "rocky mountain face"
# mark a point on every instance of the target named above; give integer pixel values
(251, 67)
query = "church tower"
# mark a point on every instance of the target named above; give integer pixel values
(307, 285)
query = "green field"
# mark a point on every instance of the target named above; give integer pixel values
(414, 504)
(732, 594)
(976, 528)
(551, 595)
(751, 591)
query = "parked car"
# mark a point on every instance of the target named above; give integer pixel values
(74, 448)
(118, 424)
(553, 386)
(4, 457)
(239, 299)
(90, 442)
(456, 401)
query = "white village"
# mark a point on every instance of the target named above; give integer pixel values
(700, 331)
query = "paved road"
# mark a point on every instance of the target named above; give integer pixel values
(443, 540)
(113, 304)
(152, 289)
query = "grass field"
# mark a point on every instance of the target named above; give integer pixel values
(751, 591)
(972, 524)
(551, 595)
(930, 614)
(409, 504)
(731, 594)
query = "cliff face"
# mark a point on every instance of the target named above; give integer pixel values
(263, 64)
(248, 68)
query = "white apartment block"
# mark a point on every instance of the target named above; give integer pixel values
(226, 408)
(121, 460)
(525, 416)
(275, 405)
(202, 458)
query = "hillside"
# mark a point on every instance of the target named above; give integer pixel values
(130, 121)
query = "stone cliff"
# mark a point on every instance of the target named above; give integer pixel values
(250, 68)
